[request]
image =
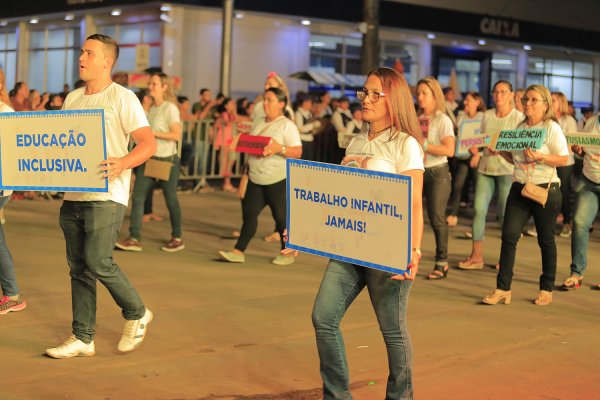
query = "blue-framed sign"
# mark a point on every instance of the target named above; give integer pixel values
(350, 214)
(53, 150)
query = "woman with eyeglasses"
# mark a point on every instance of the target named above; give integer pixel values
(165, 122)
(392, 144)
(438, 145)
(494, 173)
(537, 167)
(567, 124)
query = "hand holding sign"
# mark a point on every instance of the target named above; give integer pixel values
(112, 167)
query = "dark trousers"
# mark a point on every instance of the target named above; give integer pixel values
(565, 174)
(436, 187)
(254, 201)
(308, 151)
(459, 177)
(518, 211)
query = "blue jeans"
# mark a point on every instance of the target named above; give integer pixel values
(340, 286)
(91, 229)
(484, 190)
(143, 185)
(518, 211)
(586, 208)
(8, 280)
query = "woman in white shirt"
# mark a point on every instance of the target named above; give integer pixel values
(438, 146)
(474, 108)
(587, 198)
(165, 122)
(11, 299)
(537, 167)
(494, 173)
(267, 176)
(392, 144)
(567, 124)
(307, 124)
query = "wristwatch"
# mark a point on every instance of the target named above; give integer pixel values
(283, 149)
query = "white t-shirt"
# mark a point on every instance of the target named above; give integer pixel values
(5, 108)
(269, 170)
(123, 114)
(591, 161)
(539, 172)
(496, 165)
(568, 124)
(161, 118)
(380, 154)
(305, 129)
(440, 127)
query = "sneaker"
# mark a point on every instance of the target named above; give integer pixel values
(283, 260)
(232, 256)
(566, 231)
(7, 305)
(469, 234)
(129, 244)
(134, 332)
(174, 245)
(572, 282)
(72, 347)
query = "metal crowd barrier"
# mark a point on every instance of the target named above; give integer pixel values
(199, 158)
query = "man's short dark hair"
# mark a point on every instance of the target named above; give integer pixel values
(109, 43)
(447, 89)
(204, 90)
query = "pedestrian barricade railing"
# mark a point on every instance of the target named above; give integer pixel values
(200, 159)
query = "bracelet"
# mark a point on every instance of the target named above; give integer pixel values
(283, 150)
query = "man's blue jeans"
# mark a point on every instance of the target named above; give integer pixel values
(340, 286)
(586, 208)
(91, 229)
(484, 191)
(8, 280)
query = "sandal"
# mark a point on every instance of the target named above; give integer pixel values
(572, 282)
(439, 272)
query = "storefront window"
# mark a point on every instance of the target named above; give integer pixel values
(574, 78)
(131, 35)
(407, 54)
(335, 54)
(504, 67)
(53, 58)
(8, 56)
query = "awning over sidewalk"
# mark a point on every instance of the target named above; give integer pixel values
(330, 78)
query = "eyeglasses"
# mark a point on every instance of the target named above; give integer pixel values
(533, 100)
(373, 96)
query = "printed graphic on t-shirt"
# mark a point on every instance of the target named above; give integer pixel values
(425, 122)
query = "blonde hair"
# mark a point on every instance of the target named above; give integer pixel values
(436, 89)
(477, 97)
(563, 104)
(399, 102)
(169, 93)
(3, 92)
(547, 97)
(281, 83)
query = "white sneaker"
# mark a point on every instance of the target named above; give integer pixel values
(72, 347)
(134, 332)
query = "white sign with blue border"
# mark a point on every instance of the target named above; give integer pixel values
(350, 214)
(53, 150)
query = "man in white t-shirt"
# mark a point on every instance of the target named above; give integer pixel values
(91, 221)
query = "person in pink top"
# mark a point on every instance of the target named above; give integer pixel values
(223, 136)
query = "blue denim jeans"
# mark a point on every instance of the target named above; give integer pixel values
(340, 286)
(518, 211)
(436, 188)
(8, 280)
(484, 190)
(586, 208)
(143, 185)
(91, 229)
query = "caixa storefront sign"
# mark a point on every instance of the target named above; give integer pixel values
(499, 27)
